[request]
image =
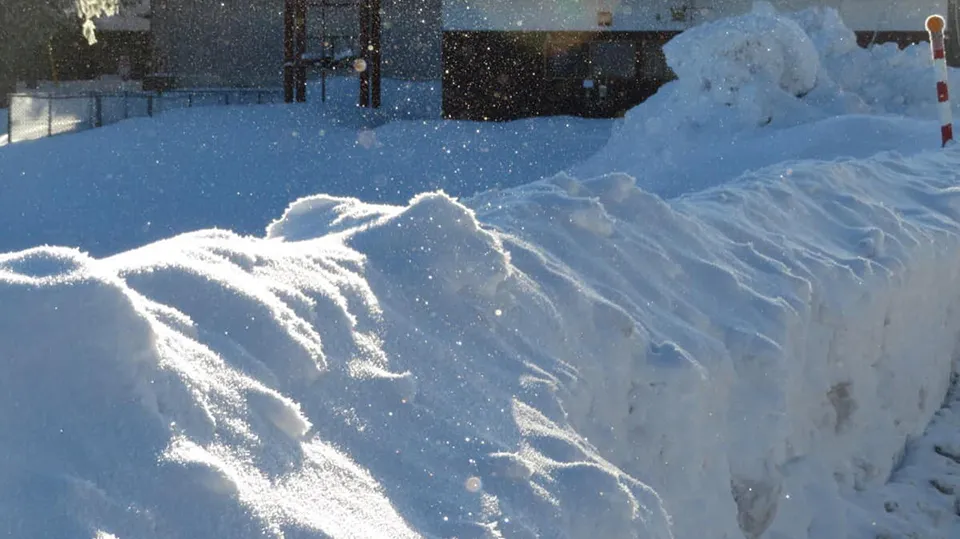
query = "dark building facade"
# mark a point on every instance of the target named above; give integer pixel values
(506, 59)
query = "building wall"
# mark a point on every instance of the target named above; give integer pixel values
(645, 15)
(229, 42)
(240, 42)
(506, 59)
(412, 38)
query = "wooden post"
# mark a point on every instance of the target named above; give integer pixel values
(365, 56)
(300, 47)
(288, 51)
(376, 54)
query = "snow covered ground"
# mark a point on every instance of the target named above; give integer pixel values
(746, 335)
(239, 167)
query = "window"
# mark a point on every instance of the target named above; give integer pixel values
(613, 59)
(566, 60)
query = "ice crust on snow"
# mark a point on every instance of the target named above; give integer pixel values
(577, 357)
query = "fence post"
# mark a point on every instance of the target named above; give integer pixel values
(150, 106)
(98, 110)
(49, 116)
(189, 100)
(10, 120)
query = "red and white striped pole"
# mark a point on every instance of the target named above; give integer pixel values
(935, 25)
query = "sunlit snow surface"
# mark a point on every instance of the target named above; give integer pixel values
(577, 357)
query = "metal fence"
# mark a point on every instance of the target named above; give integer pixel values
(38, 115)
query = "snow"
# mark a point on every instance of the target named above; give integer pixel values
(735, 107)
(760, 345)
(148, 178)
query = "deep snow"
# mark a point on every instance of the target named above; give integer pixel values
(580, 356)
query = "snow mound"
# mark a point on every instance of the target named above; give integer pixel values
(731, 60)
(122, 425)
(241, 364)
(787, 68)
(767, 87)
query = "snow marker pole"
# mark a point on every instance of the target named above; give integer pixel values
(935, 25)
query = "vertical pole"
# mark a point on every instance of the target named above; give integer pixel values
(935, 25)
(365, 53)
(49, 116)
(288, 51)
(375, 54)
(300, 48)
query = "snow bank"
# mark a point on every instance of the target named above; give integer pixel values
(569, 359)
(766, 87)
(763, 349)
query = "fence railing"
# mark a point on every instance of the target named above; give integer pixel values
(42, 114)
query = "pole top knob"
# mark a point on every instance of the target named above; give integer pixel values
(935, 24)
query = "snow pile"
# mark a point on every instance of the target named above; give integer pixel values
(119, 421)
(569, 359)
(788, 68)
(766, 87)
(739, 62)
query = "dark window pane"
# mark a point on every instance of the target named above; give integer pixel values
(613, 59)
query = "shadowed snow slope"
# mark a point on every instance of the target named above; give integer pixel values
(569, 359)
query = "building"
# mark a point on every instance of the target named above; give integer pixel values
(123, 49)
(240, 42)
(498, 59)
(505, 59)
